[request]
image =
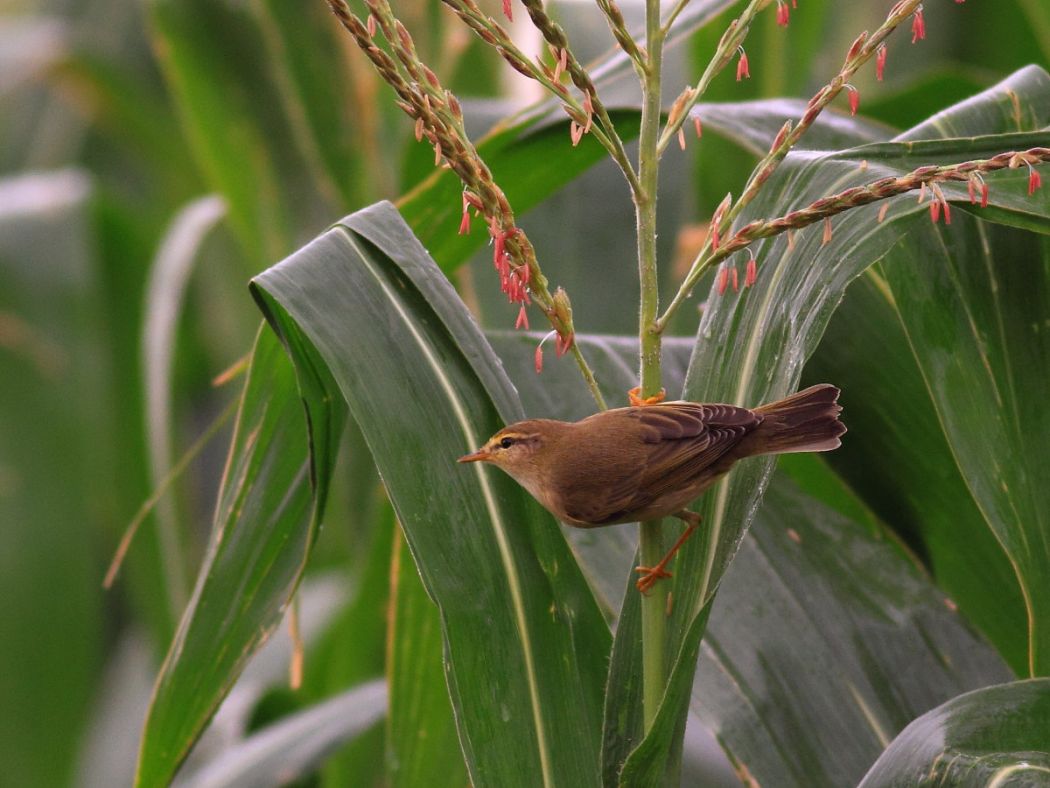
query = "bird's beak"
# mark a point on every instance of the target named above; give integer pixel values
(479, 456)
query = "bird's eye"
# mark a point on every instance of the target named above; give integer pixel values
(506, 443)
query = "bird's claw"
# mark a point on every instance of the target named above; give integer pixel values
(649, 576)
(637, 400)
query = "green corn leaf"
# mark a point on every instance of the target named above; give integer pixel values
(991, 736)
(521, 630)
(751, 346)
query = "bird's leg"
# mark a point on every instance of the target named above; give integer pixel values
(636, 400)
(649, 575)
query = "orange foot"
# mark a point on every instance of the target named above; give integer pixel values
(649, 576)
(638, 401)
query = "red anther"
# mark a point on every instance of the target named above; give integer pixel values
(918, 25)
(742, 69)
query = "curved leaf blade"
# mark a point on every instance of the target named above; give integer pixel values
(992, 736)
(522, 631)
(265, 522)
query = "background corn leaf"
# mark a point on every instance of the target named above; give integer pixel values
(530, 160)
(365, 296)
(212, 57)
(991, 736)
(54, 471)
(296, 745)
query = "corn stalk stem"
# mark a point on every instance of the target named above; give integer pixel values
(654, 619)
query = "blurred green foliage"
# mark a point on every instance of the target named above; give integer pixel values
(113, 116)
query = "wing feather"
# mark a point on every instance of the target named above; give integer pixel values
(684, 439)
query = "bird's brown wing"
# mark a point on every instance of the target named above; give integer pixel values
(681, 440)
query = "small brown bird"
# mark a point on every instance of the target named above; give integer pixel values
(643, 463)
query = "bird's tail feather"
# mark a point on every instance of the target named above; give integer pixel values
(805, 421)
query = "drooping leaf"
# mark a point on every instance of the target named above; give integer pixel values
(365, 296)
(991, 736)
(265, 522)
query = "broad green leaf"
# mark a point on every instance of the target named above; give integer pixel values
(267, 515)
(297, 744)
(976, 316)
(55, 468)
(991, 736)
(899, 460)
(522, 632)
(910, 103)
(751, 346)
(422, 745)
(826, 638)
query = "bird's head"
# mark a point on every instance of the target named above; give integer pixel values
(518, 449)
